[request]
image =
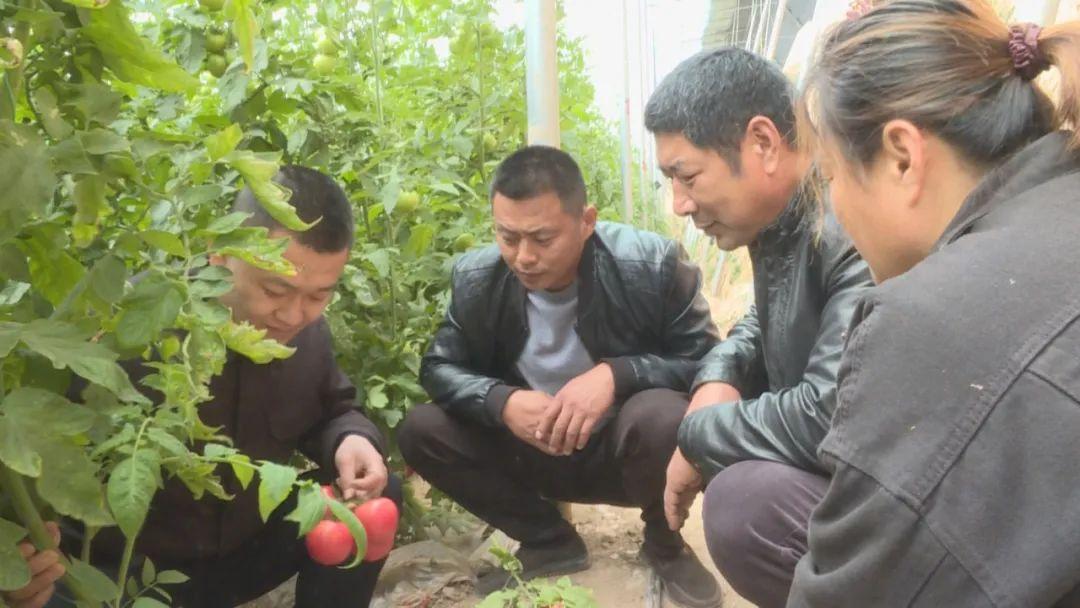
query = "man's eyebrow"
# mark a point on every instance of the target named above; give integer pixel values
(535, 232)
(672, 168)
(280, 282)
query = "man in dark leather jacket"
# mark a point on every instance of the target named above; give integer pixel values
(561, 372)
(763, 398)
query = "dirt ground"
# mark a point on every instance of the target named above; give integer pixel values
(617, 577)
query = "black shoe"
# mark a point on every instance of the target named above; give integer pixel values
(685, 579)
(565, 555)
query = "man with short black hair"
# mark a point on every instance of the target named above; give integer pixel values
(763, 399)
(270, 411)
(559, 374)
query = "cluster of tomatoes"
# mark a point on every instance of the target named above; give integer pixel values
(330, 543)
(216, 41)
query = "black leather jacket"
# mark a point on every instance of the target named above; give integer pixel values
(784, 354)
(639, 309)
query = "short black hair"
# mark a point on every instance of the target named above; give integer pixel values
(711, 97)
(536, 170)
(314, 196)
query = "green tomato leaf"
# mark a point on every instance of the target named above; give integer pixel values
(223, 142)
(245, 27)
(150, 308)
(172, 577)
(15, 451)
(380, 259)
(107, 279)
(258, 170)
(242, 468)
(69, 482)
(26, 176)
(88, 3)
(47, 106)
(68, 156)
(390, 192)
(165, 241)
(131, 487)
(103, 141)
(499, 599)
(55, 273)
(420, 240)
(42, 412)
(14, 571)
(130, 56)
(226, 224)
(96, 102)
(171, 445)
(261, 252)
(253, 344)
(99, 587)
(90, 204)
(346, 516)
(376, 397)
(9, 336)
(310, 507)
(149, 573)
(66, 346)
(275, 483)
(13, 264)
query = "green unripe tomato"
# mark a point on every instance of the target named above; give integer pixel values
(215, 43)
(324, 64)
(216, 65)
(464, 242)
(407, 203)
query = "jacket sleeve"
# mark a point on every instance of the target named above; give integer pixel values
(341, 416)
(789, 424)
(451, 382)
(688, 333)
(868, 548)
(738, 359)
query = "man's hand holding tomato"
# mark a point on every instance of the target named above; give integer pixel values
(361, 469)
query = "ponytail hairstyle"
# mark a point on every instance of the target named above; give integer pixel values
(951, 67)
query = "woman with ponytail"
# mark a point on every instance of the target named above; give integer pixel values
(955, 445)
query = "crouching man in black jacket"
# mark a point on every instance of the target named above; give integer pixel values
(560, 374)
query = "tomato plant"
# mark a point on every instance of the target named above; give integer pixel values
(126, 127)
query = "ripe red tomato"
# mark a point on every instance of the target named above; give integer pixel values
(329, 543)
(380, 519)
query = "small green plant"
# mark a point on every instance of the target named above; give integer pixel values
(539, 593)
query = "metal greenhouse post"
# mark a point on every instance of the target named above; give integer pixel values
(542, 92)
(541, 73)
(626, 149)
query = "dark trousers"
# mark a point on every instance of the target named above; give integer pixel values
(260, 565)
(756, 516)
(510, 484)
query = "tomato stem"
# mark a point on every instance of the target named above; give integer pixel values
(125, 563)
(30, 518)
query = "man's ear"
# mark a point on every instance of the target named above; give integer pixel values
(903, 159)
(589, 217)
(764, 141)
